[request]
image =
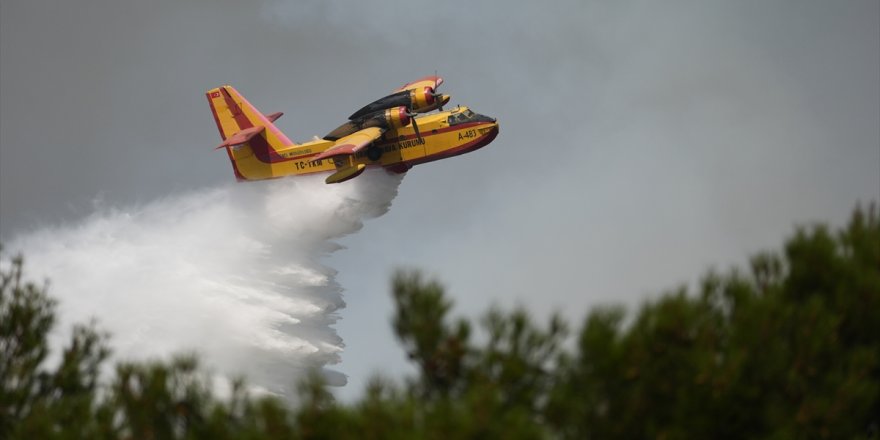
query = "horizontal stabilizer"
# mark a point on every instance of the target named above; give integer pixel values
(274, 116)
(346, 174)
(241, 137)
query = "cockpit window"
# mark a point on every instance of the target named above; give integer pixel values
(461, 117)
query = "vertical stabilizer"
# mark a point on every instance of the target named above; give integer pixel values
(246, 132)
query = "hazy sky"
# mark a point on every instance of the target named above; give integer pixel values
(640, 142)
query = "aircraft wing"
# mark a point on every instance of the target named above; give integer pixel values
(352, 143)
(429, 81)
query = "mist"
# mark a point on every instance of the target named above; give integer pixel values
(233, 273)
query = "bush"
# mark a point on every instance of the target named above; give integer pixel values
(788, 349)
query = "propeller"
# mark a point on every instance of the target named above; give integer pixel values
(434, 89)
(412, 114)
(405, 98)
(412, 117)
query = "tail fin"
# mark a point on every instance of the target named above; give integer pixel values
(256, 134)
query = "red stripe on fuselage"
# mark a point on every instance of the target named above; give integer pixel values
(277, 158)
(432, 133)
(461, 149)
(396, 167)
(273, 157)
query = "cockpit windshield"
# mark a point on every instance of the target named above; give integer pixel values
(467, 116)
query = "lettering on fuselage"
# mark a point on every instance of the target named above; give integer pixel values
(468, 134)
(410, 143)
(295, 153)
(306, 164)
(396, 146)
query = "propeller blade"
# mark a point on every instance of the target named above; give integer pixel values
(437, 95)
(444, 99)
(416, 127)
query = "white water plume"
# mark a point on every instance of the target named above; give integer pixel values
(232, 273)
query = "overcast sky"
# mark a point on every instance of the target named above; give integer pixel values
(641, 142)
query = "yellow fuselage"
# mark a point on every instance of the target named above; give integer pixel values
(442, 136)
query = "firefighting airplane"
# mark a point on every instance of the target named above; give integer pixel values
(392, 132)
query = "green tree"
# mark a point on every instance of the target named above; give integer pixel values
(789, 348)
(36, 402)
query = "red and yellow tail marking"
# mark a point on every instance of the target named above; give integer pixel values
(233, 113)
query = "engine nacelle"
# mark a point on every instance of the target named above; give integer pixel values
(396, 118)
(388, 119)
(421, 98)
